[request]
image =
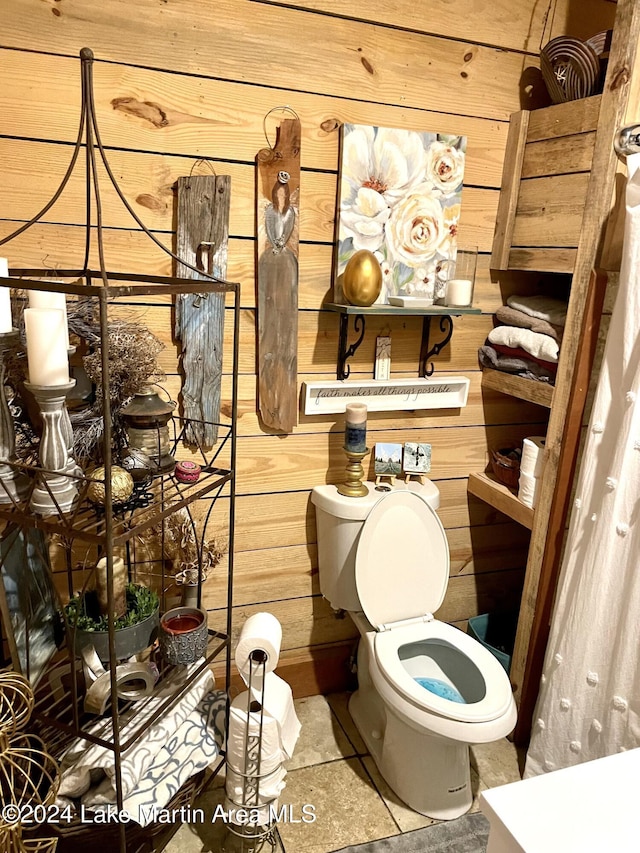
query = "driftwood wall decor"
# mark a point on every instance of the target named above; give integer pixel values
(278, 199)
(202, 237)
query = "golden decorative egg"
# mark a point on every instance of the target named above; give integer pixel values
(362, 279)
(121, 485)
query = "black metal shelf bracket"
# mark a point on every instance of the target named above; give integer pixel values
(426, 352)
(344, 351)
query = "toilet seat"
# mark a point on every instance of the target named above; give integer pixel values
(497, 696)
(399, 599)
(392, 590)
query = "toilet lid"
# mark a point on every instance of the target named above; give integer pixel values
(402, 560)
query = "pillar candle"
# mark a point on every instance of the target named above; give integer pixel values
(355, 434)
(6, 323)
(46, 346)
(49, 299)
(459, 292)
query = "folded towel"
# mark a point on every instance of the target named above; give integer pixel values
(543, 307)
(507, 316)
(489, 357)
(518, 352)
(539, 346)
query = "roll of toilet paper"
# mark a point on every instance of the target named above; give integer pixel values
(242, 722)
(532, 461)
(260, 633)
(528, 488)
(277, 700)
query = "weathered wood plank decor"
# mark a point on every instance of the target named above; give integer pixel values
(277, 199)
(202, 237)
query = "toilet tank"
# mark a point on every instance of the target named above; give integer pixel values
(339, 520)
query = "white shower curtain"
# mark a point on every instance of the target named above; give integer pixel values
(589, 702)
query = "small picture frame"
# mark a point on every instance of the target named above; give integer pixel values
(416, 458)
(387, 459)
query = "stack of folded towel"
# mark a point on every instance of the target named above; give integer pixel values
(526, 340)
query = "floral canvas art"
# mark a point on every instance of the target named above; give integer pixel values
(400, 196)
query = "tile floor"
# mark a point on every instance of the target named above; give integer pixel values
(332, 770)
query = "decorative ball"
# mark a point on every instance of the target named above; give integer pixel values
(187, 472)
(138, 463)
(362, 279)
(121, 485)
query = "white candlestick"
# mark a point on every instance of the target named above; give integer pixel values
(459, 292)
(49, 299)
(46, 346)
(6, 322)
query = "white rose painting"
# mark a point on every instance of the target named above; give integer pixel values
(400, 199)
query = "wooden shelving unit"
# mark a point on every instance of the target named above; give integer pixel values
(555, 215)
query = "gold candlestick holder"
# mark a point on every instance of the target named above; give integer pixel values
(353, 487)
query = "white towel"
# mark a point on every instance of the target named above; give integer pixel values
(537, 345)
(543, 307)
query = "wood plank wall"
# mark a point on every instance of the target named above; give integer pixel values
(179, 80)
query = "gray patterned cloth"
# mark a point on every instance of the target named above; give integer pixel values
(178, 745)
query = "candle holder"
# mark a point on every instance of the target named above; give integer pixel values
(353, 487)
(59, 491)
(73, 468)
(15, 484)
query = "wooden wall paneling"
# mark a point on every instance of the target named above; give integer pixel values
(34, 170)
(318, 340)
(282, 519)
(269, 463)
(511, 25)
(355, 57)
(167, 113)
(310, 621)
(483, 406)
(619, 101)
(134, 252)
(269, 574)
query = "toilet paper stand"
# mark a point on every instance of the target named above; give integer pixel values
(261, 834)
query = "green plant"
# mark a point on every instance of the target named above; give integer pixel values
(82, 611)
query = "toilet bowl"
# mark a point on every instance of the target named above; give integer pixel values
(426, 690)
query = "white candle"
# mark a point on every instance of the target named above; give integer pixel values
(355, 438)
(459, 292)
(46, 346)
(6, 323)
(49, 299)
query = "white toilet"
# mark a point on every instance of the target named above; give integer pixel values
(385, 559)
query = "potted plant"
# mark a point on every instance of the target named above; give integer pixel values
(136, 628)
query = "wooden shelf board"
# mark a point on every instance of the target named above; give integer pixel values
(502, 498)
(433, 310)
(531, 390)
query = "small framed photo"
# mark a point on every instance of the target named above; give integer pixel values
(417, 458)
(388, 459)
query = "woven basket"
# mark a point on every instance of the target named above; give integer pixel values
(505, 464)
